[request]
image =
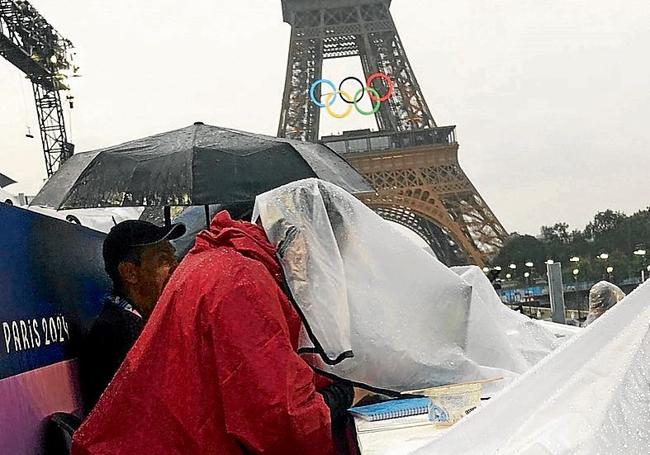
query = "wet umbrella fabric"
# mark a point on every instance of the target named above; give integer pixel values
(6, 181)
(197, 165)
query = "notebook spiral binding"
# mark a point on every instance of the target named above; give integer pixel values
(400, 413)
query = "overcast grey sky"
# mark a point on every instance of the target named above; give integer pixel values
(551, 98)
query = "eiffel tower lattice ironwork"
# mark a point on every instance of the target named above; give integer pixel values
(411, 161)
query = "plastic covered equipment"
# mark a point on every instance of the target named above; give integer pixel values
(602, 297)
(498, 336)
(378, 309)
(589, 397)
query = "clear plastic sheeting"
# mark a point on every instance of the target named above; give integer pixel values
(561, 331)
(378, 309)
(589, 397)
(498, 336)
(602, 297)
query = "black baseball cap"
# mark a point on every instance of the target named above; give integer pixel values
(130, 234)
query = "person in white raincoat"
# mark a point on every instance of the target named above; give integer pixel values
(602, 297)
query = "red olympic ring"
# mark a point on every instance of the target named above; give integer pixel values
(389, 82)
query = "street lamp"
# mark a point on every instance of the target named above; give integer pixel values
(530, 264)
(641, 252)
(605, 256)
(575, 259)
(498, 267)
(576, 272)
(513, 267)
(549, 262)
(527, 275)
(486, 270)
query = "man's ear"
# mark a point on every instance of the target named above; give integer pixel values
(127, 271)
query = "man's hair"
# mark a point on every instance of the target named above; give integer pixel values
(134, 256)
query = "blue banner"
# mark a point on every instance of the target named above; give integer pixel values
(52, 281)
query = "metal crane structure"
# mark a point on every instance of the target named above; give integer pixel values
(33, 46)
(411, 161)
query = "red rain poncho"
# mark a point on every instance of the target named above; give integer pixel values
(215, 370)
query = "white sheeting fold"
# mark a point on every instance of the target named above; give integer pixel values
(365, 288)
(589, 397)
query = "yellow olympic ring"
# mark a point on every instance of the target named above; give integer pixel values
(328, 105)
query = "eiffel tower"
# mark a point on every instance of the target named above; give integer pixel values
(411, 161)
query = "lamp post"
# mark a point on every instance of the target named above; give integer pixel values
(511, 275)
(576, 272)
(605, 257)
(641, 252)
(528, 293)
(610, 270)
(531, 268)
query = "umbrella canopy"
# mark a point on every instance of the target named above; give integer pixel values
(197, 165)
(5, 181)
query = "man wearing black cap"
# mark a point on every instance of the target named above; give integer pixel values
(139, 258)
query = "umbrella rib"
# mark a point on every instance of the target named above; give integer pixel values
(68, 192)
(192, 156)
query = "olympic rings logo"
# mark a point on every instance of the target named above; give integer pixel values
(352, 101)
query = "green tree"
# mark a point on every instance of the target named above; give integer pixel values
(559, 233)
(603, 223)
(610, 231)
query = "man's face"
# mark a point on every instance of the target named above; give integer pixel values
(157, 262)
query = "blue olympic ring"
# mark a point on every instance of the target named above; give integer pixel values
(312, 95)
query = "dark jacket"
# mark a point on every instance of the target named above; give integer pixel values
(110, 338)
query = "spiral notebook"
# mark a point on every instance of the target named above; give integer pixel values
(393, 409)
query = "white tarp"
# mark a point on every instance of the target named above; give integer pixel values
(99, 219)
(366, 289)
(7, 196)
(499, 336)
(591, 396)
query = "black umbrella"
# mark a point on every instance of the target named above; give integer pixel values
(5, 181)
(197, 165)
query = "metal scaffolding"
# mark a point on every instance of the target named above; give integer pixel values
(33, 46)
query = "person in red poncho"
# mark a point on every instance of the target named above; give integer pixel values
(215, 370)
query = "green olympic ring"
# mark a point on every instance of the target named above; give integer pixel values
(371, 91)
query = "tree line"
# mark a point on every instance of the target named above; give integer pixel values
(609, 241)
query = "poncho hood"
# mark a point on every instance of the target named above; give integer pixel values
(247, 238)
